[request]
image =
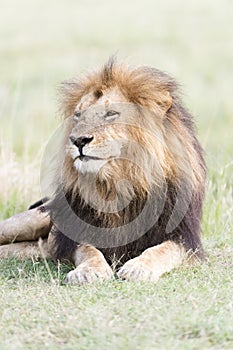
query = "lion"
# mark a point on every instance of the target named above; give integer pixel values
(130, 181)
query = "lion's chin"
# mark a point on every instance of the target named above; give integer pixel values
(89, 165)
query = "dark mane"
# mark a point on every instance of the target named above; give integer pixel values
(187, 232)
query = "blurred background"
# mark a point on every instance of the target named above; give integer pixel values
(44, 42)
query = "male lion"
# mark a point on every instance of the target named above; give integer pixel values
(129, 185)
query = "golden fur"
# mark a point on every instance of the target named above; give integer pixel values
(157, 126)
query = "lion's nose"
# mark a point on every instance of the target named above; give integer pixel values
(81, 141)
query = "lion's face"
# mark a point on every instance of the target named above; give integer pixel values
(101, 131)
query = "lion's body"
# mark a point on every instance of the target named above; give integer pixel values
(166, 130)
(131, 177)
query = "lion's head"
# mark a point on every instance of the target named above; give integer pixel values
(127, 123)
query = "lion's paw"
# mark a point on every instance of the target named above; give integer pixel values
(137, 270)
(85, 273)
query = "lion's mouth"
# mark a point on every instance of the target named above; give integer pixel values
(85, 158)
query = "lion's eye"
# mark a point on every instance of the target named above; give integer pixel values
(111, 115)
(77, 115)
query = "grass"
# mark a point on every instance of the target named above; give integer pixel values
(43, 43)
(187, 309)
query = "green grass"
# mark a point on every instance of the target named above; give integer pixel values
(187, 309)
(43, 43)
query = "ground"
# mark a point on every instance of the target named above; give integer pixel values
(43, 43)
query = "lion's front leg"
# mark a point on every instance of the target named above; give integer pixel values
(153, 262)
(90, 266)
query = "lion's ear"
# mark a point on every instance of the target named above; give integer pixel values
(164, 100)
